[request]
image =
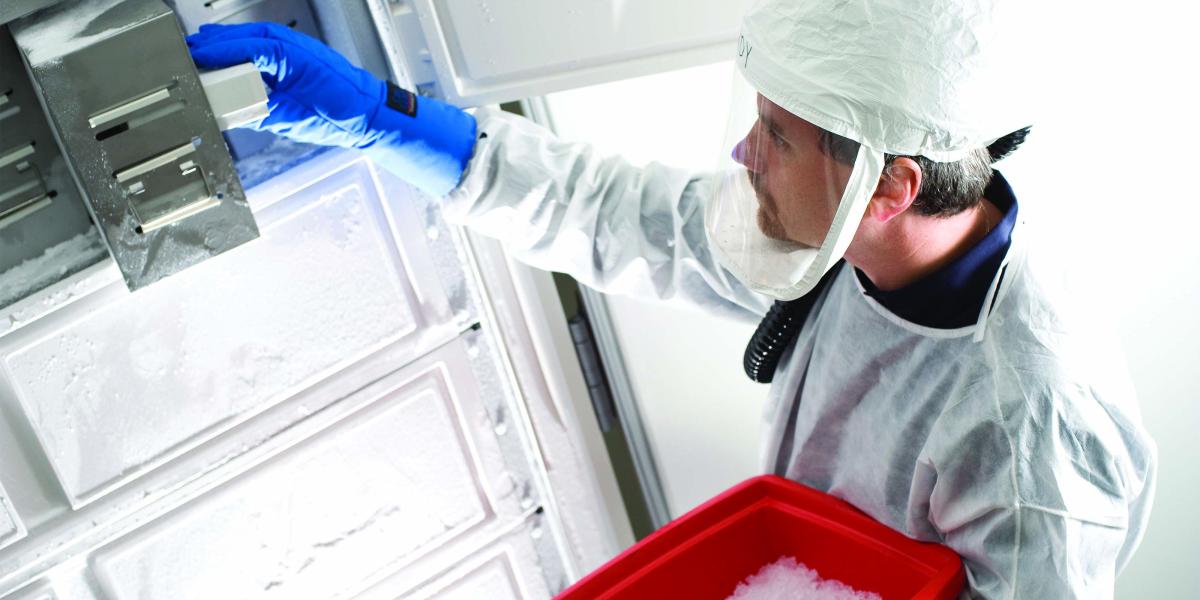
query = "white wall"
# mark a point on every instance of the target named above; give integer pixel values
(1112, 166)
(1109, 168)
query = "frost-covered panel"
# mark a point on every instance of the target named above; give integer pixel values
(11, 528)
(492, 580)
(509, 568)
(38, 591)
(394, 481)
(495, 578)
(125, 384)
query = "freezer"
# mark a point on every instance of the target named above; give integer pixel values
(237, 366)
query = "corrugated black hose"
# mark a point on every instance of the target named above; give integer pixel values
(777, 330)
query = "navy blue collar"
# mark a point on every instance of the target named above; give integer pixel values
(952, 296)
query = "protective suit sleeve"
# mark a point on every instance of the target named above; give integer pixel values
(617, 228)
(318, 97)
(1040, 498)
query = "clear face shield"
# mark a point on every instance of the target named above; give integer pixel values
(790, 204)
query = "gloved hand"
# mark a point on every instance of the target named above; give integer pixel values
(318, 97)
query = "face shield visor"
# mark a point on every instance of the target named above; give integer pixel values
(791, 200)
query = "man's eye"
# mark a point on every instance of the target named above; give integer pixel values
(775, 137)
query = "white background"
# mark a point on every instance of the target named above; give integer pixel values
(1110, 168)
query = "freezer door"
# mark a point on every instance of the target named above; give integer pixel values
(474, 52)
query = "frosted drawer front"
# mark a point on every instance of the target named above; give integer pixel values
(494, 579)
(11, 529)
(504, 570)
(41, 591)
(392, 482)
(123, 384)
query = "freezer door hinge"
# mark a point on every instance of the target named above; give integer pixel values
(593, 371)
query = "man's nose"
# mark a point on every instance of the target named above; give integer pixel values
(747, 155)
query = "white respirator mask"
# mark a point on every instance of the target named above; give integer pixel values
(785, 213)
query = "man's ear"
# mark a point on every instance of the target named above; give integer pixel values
(898, 187)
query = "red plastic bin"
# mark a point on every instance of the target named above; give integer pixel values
(707, 552)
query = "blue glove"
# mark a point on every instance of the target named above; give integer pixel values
(318, 97)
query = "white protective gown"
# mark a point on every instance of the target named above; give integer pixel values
(1017, 442)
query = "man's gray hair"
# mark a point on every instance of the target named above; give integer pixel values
(947, 188)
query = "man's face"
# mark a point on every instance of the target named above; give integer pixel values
(798, 186)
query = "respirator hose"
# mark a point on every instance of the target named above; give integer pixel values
(778, 330)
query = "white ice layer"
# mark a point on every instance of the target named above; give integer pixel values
(56, 262)
(787, 579)
(393, 482)
(142, 377)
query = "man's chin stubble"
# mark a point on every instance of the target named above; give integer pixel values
(769, 227)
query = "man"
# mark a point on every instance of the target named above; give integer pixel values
(941, 381)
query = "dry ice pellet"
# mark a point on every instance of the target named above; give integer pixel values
(787, 579)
